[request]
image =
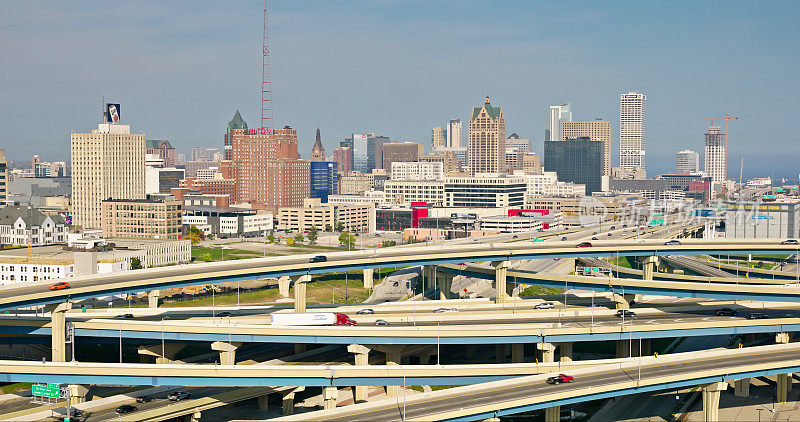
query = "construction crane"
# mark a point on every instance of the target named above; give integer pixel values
(725, 117)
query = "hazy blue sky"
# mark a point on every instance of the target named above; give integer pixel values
(181, 68)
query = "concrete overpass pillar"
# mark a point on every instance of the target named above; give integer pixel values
(300, 292)
(783, 387)
(548, 352)
(649, 266)
(152, 298)
(500, 271)
(368, 275)
(263, 402)
(628, 348)
(288, 400)
(227, 351)
(58, 323)
(361, 359)
(193, 417)
(445, 282)
(394, 353)
(518, 353)
(283, 285)
(741, 388)
(329, 396)
(162, 355)
(552, 414)
(78, 394)
(500, 353)
(784, 338)
(622, 301)
(711, 394)
(565, 352)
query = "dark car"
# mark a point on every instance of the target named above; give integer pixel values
(365, 312)
(126, 408)
(124, 316)
(594, 233)
(515, 237)
(726, 312)
(672, 242)
(318, 258)
(594, 238)
(144, 399)
(624, 313)
(757, 315)
(563, 238)
(560, 378)
(224, 314)
(381, 322)
(612, 227)
(584, 245)
(789, 242)
(179, 395)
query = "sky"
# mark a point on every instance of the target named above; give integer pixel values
(180, 69)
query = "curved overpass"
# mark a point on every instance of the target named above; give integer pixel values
(198, 274)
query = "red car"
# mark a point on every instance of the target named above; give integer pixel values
(584, 245)
(560, 378)
(60, 286)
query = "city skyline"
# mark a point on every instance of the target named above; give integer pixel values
(160, 101)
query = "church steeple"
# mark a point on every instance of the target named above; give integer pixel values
(318, 151)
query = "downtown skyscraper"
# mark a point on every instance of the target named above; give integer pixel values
(715, 155)
(632, 112)
(487, 140)
(556, 116)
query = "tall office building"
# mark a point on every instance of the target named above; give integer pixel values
(267, 170)
(687, 161)
(556, 116)
(596, 130)
(236, 123)
(438, 138)
(107, 163)
(343, 156)
(632, 120)
(577, 160)
(318, 151)
(715, 155)
(323, 179)
(453, 133)
(3, 176)
(517, 144)
(400, 152)
(486, 148)
(361, 153)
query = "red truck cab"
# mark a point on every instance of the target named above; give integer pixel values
(342, 319)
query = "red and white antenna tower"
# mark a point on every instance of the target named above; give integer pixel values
(266, 79)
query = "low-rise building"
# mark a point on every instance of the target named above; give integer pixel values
(767, 220)
(161, 180)
(353, 216)
(484, 191)
(376, 197)
(356, 183)
(228, 221)
(417, 171)
(408, 191)
(141, 218)
(506, 224)
(26, 225)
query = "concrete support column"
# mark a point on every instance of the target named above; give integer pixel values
(548, 352)
(329, 396)
(152, 298)
(78, 394)
(227, 351)
(565, 352)
(300, 292)
(649, 266)
(628, 348)
(785, 338)
(622, 301)
(58, 322)
(193, 417)
(368, 274)
(283, 285)
(162, 355)
(711, 393)
(288, 400)
(518, 353)
(741, 388)
(445, 282)
(784, 384)
(361, 359)
(552, 414)
(500, 353)
(500, 271)
(394, 353)
(263, 402)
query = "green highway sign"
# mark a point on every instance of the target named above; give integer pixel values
(50, 390)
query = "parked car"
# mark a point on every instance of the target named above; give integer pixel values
(559, 379)
(445, 310)
(126, 408)
(789, 242)
(584, 245)
(757, 315)
(179, 395)
(672, 242)
(381, 322)
(726, 312)
(365, 311)
(624, 313)
(144, 399)
(60, 286)
(544, 305)
(318, 258)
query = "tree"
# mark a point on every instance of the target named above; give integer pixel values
(387, 243)
(347, 239)
(207, 258)
(339, 226)
(298, 237)
(312, 234)
(328, 228)
(289, 241)
(271, 238)
(136, 263)
(195, 235)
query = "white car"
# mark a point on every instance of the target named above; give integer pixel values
(544, 305)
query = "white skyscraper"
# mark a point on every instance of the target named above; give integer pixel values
(555, 117)
(632, 130)
(454, 133)
(715, 157)
(687, 161)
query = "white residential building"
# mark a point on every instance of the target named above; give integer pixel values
(407, 191)
(26, 225)
(454, 133)
(632, 120)
(417, 170)
(716, 156)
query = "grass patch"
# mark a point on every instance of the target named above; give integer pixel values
(14, 387)
(540, 291)
(216, 254)
(416, 388)
(443, 387)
